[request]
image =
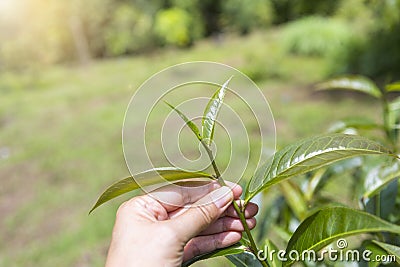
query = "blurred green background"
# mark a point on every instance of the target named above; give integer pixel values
(68, 69)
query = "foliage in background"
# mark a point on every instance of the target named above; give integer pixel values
(288, 10)
(129, 31)
(245, 15)
(175, 26)
(377, 52)
(316, 36)
(70, 31)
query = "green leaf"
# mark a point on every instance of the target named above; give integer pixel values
(327, 225)
(313, 184)
(245, 259)
(394, 116)
(274, 261)
(356, 123)
(231, 250)
(390, 249)
(294, 198)
(393, 87)
(375, 252)
(354, 83)
(307, 155)
(146, 178)
(211, 113)
(380, 176)
(189, 123)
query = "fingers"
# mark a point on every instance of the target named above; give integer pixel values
(227, 224)
(236, 189)
(205, 211)
(250, 211)
(173, 197)
(204, 244)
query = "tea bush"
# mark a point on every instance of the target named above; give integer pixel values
(315, 36)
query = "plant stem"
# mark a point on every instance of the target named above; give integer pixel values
(211, 156)
(386, 123)
(378, 204)
(240, 210)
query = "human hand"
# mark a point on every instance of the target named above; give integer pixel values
(149, 232)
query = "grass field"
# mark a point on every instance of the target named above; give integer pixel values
(60, 139)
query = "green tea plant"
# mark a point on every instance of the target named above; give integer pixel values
(321, 222)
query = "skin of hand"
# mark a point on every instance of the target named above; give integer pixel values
(196, 220)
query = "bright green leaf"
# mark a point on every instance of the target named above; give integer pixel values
(393, 87)
(149, 177)
(189, 123)
(211, 113)
(231, 250)
(274, 260)
(307, 155)
(327, 225)
(354, 83)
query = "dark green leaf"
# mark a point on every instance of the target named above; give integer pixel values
(149, 177)
(355, 83)
(390, 249)
(393, 87)
(245, 259)
(211, 113)
(189, 123)
(231, 250)
(384, 203)
(376, 251)
(307, 155)
(327, 225)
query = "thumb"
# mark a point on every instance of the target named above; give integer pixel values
(202, 213)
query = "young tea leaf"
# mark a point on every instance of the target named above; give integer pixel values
(189, 123)
(211, 113)
(307, 155)
(327, 225)
(231, 250)
(149, 177)
(354, 83)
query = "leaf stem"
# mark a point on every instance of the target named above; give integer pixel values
(211, 156)
(386, 123)
(240, 210)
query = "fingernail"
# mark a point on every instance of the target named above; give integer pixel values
(222, 196)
